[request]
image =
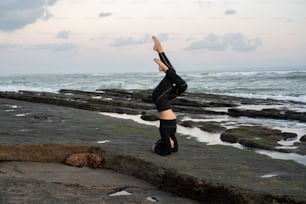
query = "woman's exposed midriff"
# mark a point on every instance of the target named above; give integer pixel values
(167, 115)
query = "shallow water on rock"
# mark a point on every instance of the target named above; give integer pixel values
(230, 122)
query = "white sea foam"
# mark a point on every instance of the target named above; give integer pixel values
(103, 141)
(10, 110)
(270, 175)
(22, 114)
(284, 85)
(285, 156)
(152, 199)
(121, 193)
(13, 106)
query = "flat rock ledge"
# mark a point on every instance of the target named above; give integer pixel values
(168, 179)
(135, 101)
(261, 138)
(208, 173)
(193, 105)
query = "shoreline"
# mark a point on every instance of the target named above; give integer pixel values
(213, 138)
(73, 118)
(207, 115)
(249, 84)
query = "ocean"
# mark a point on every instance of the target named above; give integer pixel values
(284, 85)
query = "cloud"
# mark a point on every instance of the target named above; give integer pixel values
(163, 37)
(234, 41)
(212, 42)
(237, 42)
(6, 46)
(147, 38)
(120, 42)
(48, 46)
(64, 34)
(56, 47)
(230, 12)
(16, 14)
(104, 14)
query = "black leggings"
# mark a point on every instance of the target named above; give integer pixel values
(169, 88)
(167, 130)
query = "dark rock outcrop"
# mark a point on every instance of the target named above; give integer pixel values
(269, 113)
(190, 105)
(212, 127)
(303, 139)
(149, 117)
(301, 148)
(205, 172)
(256, 137)
(188, 123)
(136, 101)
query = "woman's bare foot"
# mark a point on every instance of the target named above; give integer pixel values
(162, 66)
(157, 45)
(153, 147)
(171, 143)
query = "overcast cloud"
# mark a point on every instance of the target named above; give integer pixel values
(16, 14)
(230, 12)
(129, 41)
(64, 34)
(239, 43)
(104, 14)
(6, 46)
(235, 41)
(56, 47)
(115, 36)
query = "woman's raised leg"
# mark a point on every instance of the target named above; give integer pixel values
(162, 56)
(180, 84)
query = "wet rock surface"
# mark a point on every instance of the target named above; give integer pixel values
(99, 184)
(138, 101)
(34, 182)
(257, 137)
(211, 174)
(190, 105)
(269, 113)
(212, 127)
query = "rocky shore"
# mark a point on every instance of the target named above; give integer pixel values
(191, 105)
(47, 127)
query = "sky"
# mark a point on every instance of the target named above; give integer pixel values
(99, 36)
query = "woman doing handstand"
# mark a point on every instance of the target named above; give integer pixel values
(169, 88)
